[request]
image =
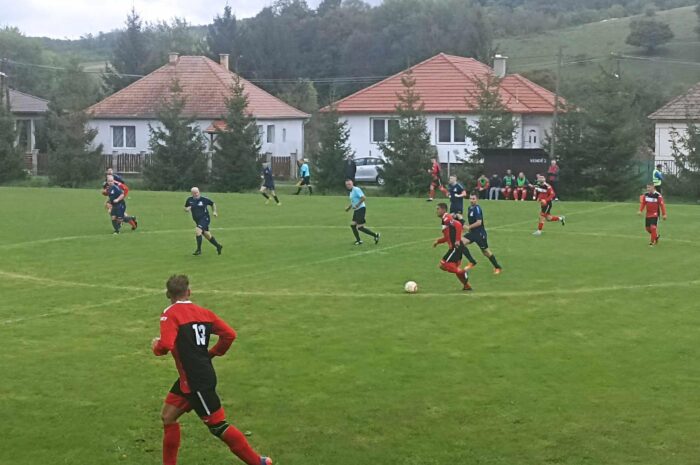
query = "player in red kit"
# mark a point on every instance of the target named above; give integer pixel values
(545, 195)
(653, 202)
(436, 181)
(452, 235)
(185, 331)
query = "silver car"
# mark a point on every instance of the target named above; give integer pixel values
(367, 170)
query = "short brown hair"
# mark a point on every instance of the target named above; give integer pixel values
(177, 286)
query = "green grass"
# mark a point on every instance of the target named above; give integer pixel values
(585, 350)
(600, 39)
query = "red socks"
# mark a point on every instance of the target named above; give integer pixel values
(171, 443)
(540, 226)
(553, 218)
(236, 441)
(654, 234)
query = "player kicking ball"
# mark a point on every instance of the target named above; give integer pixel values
(476, 233)
(545, 194)
(199, 207)
(357, 204)
(653, 202)
(185, 331)
(451, 232)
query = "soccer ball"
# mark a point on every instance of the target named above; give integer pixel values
(411, 287)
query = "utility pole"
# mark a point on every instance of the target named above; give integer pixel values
(555, 118)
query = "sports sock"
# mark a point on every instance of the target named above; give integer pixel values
(311, 191)
(276, 199)
(654, 233)
(236, 441)
(297, 192)
(540, 226)
(199, 242)
(553, 218)
(116, 225)
(462, 276)
(468, 254)
(171, 443)
(495, 264)
(265, 195)
(354, 231)
(367, 231)
(213, 241)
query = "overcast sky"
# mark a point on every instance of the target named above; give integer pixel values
(73, 18)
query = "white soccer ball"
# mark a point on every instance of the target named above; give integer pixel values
(411, 287)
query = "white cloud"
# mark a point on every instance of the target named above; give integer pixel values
(73, 18)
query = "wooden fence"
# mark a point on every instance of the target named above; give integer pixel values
(128, 163)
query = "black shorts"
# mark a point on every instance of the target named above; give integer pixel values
(547, 208)
(203, 223)
(358, 216)
(305, 181)
(478, 238)
(269, 187)
(453, 256)
(118, 210)
(204, 402)
(456, 209)
(652, 221)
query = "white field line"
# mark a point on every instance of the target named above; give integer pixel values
(641, 237)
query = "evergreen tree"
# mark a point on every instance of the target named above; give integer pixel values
(685, 147)
(129, 56)
(408, 150)
(333, 150)
(11, 161)
(649, 34)
(221, 34)
(73, 160)
(573, 153)
(178, 148)
(236, 166)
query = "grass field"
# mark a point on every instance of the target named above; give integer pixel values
(584, 351)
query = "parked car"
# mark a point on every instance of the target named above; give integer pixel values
(367, 170)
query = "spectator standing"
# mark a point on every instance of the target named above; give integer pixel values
(553, 177)
(657, 178)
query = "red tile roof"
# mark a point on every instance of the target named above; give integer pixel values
(205, 84)
(448, 84)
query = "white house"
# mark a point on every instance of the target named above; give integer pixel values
(448, 87)
(671, 118)
(122, 119)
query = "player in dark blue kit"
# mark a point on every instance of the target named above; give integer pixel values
(457, 196)
(117, 205)
(268, 187)
(199, 207)
(476, 233)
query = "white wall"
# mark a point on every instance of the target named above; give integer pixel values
(294, 140)
(662, 139)
(361, 135)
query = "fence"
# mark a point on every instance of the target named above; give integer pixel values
(36, 163)
(129, 163)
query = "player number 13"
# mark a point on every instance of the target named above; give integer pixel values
(200, 334)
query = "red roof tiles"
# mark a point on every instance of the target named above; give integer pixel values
(205, 85)
(448, 84)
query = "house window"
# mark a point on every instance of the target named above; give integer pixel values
(384, 129)
(451, 131)
(261, 131)
(270, 133)
(123, 137)
(532, 136)
(284, 134)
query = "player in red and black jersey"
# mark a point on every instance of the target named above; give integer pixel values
(545, 194)
(436, 181)
(185, 331)
(653, 202)
(119, 182)
(452, 235)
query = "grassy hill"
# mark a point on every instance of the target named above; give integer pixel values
(597, 41)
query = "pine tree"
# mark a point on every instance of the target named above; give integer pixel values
(236, 166)
(333, 150)
(11, 162)
(73, 160)
(685, 146)
(221, 34)
(408, 150)
(178, 148)
(129, 56)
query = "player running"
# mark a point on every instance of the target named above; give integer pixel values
(185, 331)
(475, 232)
(457, 196)
(545, 194)
(199, 207)
(119, 181)
(653, 202)
(436, 180)
(451, 232)
(268, 187)
(357, 204)
(117, 205)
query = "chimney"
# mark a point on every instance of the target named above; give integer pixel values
(172, 58)
(223, 59)
(499, 65)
